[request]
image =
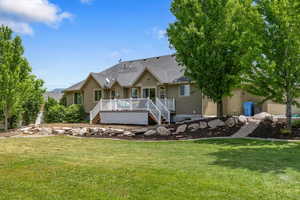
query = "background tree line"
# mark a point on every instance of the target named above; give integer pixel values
(250, 44)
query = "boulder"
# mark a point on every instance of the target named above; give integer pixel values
(45, 131)
(203, 124)
(163, 131)
(84, 131)
(242, 119)
(26, 129)
(140, 130)
(28, 132)
(94, 131)
(128, 133)
(230, 122)
(194, 127)
(150, 133)
(181, 128)
(59, 132)
(215, 123)
(263, 116)
(75, 131)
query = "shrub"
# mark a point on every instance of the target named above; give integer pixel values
(55, 114)
(75, 114)
(296, 123)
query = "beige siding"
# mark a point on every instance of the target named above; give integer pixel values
(88, 90)
(69, 98)
(146, 80)
(209, 107)
(118, 91)
(185, 105)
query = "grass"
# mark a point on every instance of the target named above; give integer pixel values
(70, 168)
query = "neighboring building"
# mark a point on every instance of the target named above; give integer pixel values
(122, 92)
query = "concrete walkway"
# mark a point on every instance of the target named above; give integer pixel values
(246, 130)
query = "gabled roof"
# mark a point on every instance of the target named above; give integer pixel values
(164, 68)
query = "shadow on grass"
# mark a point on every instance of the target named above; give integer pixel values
(255, 155)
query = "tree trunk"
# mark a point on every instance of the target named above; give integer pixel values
(220, 109)
(289, 113)
(5, 122)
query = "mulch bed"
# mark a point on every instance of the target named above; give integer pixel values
(200, 133)
(269, 129)
(9, 133)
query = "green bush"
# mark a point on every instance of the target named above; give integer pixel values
(296, 123)
(55, 114)
(75, 114)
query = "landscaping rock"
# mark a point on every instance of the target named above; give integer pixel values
(26, 129)
(45, 131)
(94, 131)
(203, 124)
(83, 132)
(242, 119)
(128, 133)
(150, 133)
(75, 132)
(140, 131)
(230, 122)
(194, 127)
(215, 123)
(263, 116)
(59, 132)
(181, 129)
(163, 131)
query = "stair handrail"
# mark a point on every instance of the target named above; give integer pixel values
(154, 110)
(95, 111)
(164, 110)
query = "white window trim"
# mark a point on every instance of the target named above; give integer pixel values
(189, 94)
(81, 98)
(94, 96)
(137, 95)
(142, 88)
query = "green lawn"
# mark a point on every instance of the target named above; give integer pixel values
(70, 168)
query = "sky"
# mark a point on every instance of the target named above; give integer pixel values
(65, 40)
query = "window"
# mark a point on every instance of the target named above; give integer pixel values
(184, 90)
(113, 94)
(97, 95)
(77, 98)
(162, 92)
(134, 93)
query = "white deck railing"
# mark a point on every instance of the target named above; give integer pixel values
(126, 105)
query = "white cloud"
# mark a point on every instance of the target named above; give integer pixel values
(158, 33)
(20, 13)
(86, 1)
(19, 27)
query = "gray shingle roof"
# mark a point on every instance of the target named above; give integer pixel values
(164, 68)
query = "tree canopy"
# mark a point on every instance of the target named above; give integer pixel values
(17, 84)
(211, 39)
(275, 73)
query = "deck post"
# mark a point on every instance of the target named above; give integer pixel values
(148, 100)
(130, 103)
(116, 104)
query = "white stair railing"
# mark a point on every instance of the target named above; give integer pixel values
(154, 110)
(165, 112)
(95, 111)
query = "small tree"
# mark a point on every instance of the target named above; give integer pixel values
(211, 39)
(275, 74)
(14, 74)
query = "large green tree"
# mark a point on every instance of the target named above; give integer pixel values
(16, 81)
(212, 40)
(275, 74)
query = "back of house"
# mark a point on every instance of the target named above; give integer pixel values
(154, 87)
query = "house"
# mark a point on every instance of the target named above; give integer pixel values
(134, 92)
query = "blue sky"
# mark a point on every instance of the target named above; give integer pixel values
(67, 39)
